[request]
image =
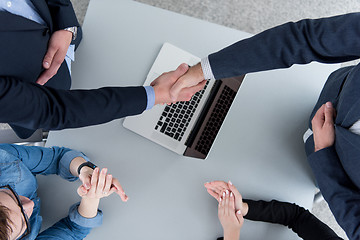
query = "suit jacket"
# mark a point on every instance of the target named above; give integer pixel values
(28, 106)
(327, 40)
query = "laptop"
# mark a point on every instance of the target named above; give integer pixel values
(187, 128)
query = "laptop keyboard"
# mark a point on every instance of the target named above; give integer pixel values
(175, 118)
(215, 121)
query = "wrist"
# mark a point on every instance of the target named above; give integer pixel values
(158, 93)
(74, 165)
(85, 166)
(197, 72)
(73, 31)
(318, 148)
(233, 234)
(245, 209)
(88, 207)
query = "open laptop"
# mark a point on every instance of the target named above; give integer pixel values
(187, 128)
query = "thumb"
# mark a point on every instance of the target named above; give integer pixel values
(49, 57)
(81, 191)
(234, 190)
(86, 182)
(181, 70)
(329, 113)
(239, 217)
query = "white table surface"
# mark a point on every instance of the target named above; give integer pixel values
(259, 148)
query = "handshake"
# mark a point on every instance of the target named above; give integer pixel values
(178, 85)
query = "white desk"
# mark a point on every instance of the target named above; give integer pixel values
(259, 147)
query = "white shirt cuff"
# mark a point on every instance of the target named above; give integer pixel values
(206, 68)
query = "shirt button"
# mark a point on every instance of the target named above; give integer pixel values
(9, 4)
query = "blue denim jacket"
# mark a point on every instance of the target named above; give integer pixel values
(18, 167)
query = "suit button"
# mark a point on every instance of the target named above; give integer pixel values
(46, 31)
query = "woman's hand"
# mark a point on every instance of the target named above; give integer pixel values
(217, 188)
(230, 220)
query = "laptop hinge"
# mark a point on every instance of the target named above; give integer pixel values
(190, 140)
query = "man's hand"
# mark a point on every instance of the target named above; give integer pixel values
(323, 126)
(93, 182)
(193, 77)
(55, 55)
(163, 84)
(216, 188)
(230, 220)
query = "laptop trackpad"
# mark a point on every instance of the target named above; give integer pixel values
(168, 142)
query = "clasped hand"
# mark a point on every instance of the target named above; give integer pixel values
(55, 55)
(163, 85)
(231, 207)
(98, 184)
(323, 126)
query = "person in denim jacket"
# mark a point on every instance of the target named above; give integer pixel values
(20, 206)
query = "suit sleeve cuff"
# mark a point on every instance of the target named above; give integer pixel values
(150, 93)
(206, 68)
(323, 156)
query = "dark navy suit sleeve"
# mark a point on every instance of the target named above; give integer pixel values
(342, 196)
(33, 106)
(62, 14)
(327, 40)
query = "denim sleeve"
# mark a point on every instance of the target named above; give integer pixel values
(338, 190)
(74, 226)
(45, 161)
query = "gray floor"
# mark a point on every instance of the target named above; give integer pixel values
(254, 16)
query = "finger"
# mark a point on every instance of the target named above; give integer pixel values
(186, 93)
(154, 82)
(53, 68)
(212, 193)
(209, 185)
(108, 182)
(221, 204)
(234, 190)
(81, 191)
(231, 202)
(221, 184)
(94, 180)
(329, 113)
(86, 181)
(112, 190)
(49, 57)
(180, 84)
(319, 118)
(239, 217)
(226, 204)
(101, 181)
(119, 190)
(215, 192)
(181, 70)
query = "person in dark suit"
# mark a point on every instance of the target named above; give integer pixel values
(37, 38)
(333, 143)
